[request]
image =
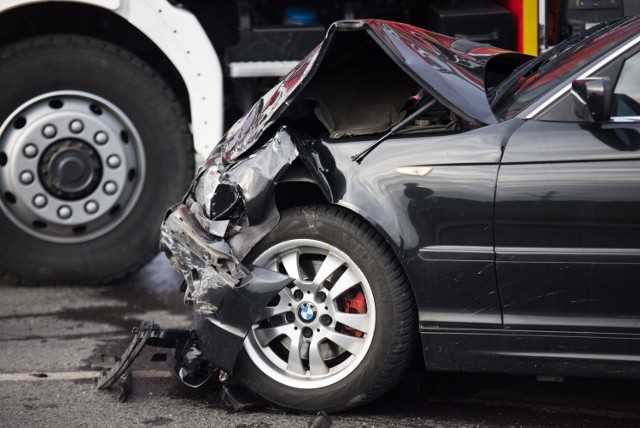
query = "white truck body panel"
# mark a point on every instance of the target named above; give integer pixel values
(179, 35)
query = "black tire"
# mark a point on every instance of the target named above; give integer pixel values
(393, 338)
(122, 92)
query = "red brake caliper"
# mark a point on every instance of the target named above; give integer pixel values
(355, 305)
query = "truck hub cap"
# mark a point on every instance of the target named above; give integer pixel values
(70, 169)
(71, 166)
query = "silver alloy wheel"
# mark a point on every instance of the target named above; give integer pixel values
(71, 166)
(305, 339)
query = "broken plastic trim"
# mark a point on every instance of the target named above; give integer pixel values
(140, 337)
(224, 315)
(187, 363)
(228, 297)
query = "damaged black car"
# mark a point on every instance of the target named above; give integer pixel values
(404, 193)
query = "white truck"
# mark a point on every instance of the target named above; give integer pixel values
(104, 102)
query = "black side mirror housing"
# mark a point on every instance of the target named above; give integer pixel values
(592, 98)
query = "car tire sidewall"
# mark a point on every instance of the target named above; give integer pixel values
(77, 63)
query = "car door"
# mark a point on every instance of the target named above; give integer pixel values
(567, 218)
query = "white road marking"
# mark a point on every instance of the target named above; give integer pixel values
(35, 376)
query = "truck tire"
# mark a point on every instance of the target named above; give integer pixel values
(345, 331)
(94, 147)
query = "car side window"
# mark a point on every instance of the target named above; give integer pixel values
(626, 98)
(626, 94)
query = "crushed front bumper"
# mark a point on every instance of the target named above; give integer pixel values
(227, 296)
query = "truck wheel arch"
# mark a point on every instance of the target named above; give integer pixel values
(168, 37)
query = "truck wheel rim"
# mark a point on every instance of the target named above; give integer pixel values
(305, 339)
(71, 166)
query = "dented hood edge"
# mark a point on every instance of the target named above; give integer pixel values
(451, 70)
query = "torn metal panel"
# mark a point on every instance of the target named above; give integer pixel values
(322, 166)
(228, 202)
(188, 247)
(242, 243)
(225, 315)
(258, 174)
(246, 131)
(227, 296)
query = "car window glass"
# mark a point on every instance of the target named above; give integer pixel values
(626, 101)
(562, 110)
(558, 64)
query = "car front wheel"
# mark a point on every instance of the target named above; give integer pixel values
(344, 331)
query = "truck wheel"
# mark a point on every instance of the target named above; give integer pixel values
(94, 147)
(344, 332)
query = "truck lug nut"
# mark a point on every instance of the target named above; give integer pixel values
(39, 200)
(91, 207)
(49, 131)
(26, 177)
(101, 138)
(290, 317)
(64, 212)
(307, 332)
(298, 295)
(76, 126)
(113, 161)
(110, 188)
(30, 150)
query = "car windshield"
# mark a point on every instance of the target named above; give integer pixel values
(535, 78)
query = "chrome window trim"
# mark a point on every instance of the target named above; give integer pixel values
(625, 119)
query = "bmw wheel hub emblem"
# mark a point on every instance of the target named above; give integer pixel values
(307, 312)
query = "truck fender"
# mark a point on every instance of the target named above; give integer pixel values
(179, 35)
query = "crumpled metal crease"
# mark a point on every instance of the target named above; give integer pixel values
(228, 297)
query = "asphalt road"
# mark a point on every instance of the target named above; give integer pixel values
(49, 337)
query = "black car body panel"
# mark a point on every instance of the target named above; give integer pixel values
(569, 218)
(441, 230)
(520, 238)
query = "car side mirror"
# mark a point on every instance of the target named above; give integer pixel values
(592, 98)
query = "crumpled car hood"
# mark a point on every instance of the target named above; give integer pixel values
(451, 70)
